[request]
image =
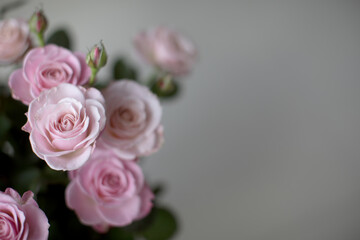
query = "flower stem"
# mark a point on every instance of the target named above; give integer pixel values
(40, 38)
(93, 75)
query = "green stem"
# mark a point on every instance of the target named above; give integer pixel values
(93, 75)
(41, 39)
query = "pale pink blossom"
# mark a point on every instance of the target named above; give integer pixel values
(167, 50)
(108, 191)
(21, 218)
(14, 40)
(133, 116)
(64, 123)
(47, 67)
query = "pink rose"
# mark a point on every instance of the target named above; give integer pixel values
(167, 50)
(47, 67)
(14, 40)
(108, 191)
(64, 123)
(133, 120)
(21, 218)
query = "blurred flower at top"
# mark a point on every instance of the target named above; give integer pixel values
(14, 40)
(167, 50)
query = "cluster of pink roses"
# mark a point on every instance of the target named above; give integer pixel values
(71, 125)
(95, 135)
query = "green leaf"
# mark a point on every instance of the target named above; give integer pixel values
(163, 225)
(5, 125)
(124, 70)
(13, 110)
(55, 177)
(6, 170)
(61, 38)
(158, 189)
(119, 233)
(29, 179)
(100, 85)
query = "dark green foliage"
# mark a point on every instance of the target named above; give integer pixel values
(61, 38)
(122, 69)
(163, 225)
(158, 189)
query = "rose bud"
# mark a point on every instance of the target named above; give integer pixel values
(38, 22)
(97, 57)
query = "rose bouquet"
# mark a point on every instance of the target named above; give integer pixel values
(73, 143)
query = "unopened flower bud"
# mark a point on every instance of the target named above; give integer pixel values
(38, 22)
(97, 57)
(165, 84)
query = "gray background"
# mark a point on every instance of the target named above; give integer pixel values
(264, 143)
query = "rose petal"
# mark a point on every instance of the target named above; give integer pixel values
(150, 143)
(146, 197)
(101, 228)
(121, 216)
(84, 206)
(14, 194)
(85, 69)
(69, 161)
(37, 221)
(20, 87)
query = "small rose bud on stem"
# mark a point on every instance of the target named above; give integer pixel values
(96, 59)
(38, 25)
(165, 83)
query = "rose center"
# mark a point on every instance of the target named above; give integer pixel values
(5, 229)
(121, 117)
(54, 73)
(111, 180)
(175, 43)
(67, 122)
(8, 32)
(126, 115)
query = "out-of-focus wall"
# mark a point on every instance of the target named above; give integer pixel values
(264, 143)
